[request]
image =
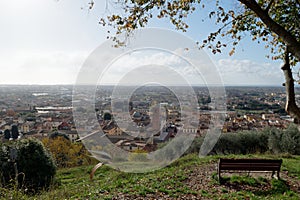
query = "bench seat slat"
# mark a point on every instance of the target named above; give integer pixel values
(249, 165)
(251, 168)
(225, 160)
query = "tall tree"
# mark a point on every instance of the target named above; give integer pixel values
(7, 134)
(14, 132)
(274, 22)
(107, 116)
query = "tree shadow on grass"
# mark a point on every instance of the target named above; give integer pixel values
(258, 186)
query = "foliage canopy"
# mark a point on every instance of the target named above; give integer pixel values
(275, 22)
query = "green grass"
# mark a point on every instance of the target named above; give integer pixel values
(246, 180)
(170, 181)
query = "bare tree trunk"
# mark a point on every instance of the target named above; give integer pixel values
(291, 107)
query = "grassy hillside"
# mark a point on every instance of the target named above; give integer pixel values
(190, 177)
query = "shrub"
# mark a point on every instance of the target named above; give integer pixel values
(36, 168)
(290, 140)
(195, 146)
(285, 141)
(6, 167)
(274, 140)
(67, 153)
(228, 143)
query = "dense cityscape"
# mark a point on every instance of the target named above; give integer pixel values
(41, 111)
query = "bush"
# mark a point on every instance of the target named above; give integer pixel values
(6, 168)
(276, 141)
(66, 153)
(195, 146)
(290, 141)
(36, 168)
(285, 141)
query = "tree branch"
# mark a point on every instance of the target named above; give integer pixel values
(269, 6)
(288, 39)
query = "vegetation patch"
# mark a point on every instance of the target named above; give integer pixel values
(189, 177)
(26, 165)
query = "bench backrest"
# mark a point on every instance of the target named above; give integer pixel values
(249, 164)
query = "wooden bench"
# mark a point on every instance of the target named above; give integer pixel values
(255, 165)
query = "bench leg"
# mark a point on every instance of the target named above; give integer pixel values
(277, 174)
(219, 175)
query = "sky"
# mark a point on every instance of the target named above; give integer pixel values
(48, 42)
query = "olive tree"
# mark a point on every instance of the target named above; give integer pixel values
(273, 22)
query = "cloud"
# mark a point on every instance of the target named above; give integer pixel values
(204, 71)
(247, 72)
(146, 57)
(142, 64)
